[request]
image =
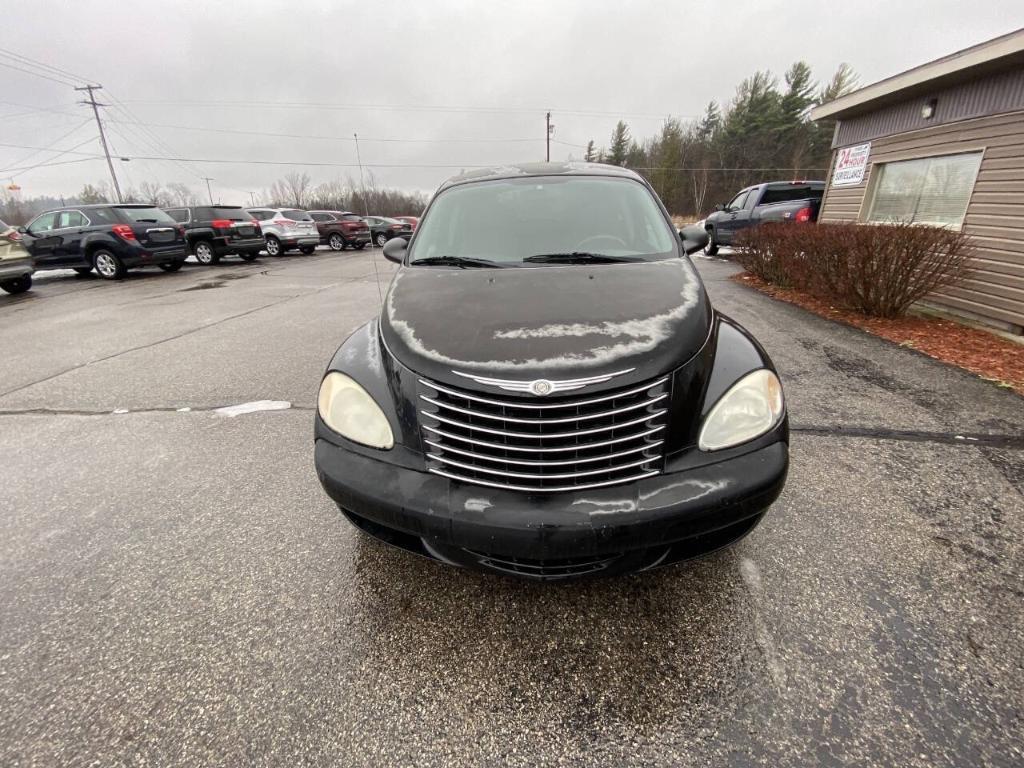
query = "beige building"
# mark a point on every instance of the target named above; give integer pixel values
(943, 144)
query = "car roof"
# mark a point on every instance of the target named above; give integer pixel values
(521, 170)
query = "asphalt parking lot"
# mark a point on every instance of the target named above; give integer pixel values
(176, 589)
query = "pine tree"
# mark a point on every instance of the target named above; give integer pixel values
(620, 145)
(591, 153)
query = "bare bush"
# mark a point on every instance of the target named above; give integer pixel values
(879, 270)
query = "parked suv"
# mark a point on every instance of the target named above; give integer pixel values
(108, 238)
(15, 261)
(383, 229)
(215, 231)
(287, 228)
(341, 229)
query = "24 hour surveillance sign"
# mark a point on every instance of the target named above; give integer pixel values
(850, 165)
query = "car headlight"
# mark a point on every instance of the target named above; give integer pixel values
(349, 410)
(751, 407)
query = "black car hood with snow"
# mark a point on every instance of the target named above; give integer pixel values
(551, 322)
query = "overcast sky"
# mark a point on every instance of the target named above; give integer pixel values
(496, 67)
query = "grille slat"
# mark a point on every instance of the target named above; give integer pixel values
(484, 439)
(568, 420)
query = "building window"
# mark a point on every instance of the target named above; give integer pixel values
(929, 190)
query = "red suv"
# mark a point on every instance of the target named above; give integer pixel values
(340, 229)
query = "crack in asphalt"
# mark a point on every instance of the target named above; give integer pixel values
(966, 439)
(189, 332)
(1013, 442)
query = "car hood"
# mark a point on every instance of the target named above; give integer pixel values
(550, 322)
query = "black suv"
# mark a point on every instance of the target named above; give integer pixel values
(214, 231)
(108, 238)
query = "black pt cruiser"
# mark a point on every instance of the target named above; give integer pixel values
(548, 391)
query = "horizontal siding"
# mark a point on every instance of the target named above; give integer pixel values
(995, 214)
(988, 95)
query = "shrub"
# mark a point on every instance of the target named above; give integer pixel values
(877, 269)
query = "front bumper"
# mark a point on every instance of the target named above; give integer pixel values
(662, 519)
(14, 268)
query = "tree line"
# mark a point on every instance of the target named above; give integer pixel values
(293, 190)
(763, 134)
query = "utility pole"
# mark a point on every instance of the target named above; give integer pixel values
(209, 191)
(547, 135)
(252, 199)
(103, 138)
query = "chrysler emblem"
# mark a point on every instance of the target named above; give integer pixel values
(540, 387)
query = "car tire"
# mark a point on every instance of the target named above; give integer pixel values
(380, 239)
(17, 284)
(171, 266)
(307, 249)
(204, 253)
(83, 271)
(274, 246)
(712, 247)
(248, 256)
(108, 264)
(337, 242)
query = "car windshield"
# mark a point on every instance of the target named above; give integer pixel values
(569, 218)
(296, 215)
(145, 215)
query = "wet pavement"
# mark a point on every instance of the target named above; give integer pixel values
(175, 588)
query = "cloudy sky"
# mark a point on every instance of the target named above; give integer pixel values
(430, 87)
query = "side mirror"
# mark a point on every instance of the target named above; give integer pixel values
(22, 230)
(694, 238)
(394, 249)
(720, 207)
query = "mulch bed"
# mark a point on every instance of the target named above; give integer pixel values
(989, 356)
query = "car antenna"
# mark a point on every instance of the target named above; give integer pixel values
(366, 212)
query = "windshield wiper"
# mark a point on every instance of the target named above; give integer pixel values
(463, 262)
(145, 221)
(577, 257)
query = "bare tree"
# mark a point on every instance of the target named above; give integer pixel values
(152, 192)
(293, 189)
(181, 194)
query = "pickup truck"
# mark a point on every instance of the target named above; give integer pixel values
(796, 201)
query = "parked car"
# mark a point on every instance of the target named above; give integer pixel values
(383, 229)
(15, 261)
(110, 238)
(341, 229)
(796, 201)
(589, 414)
(286, 229)
(412, 221)
(215, 231)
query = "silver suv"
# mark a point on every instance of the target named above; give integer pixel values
(286, 229)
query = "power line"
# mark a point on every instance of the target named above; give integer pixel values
(47, 164)
(36, 74)
(55, 141)
(242, 161)
(409, 108)
(57, 71)
(326, 138)
(49, 161)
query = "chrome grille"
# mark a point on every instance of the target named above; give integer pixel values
(544, 444)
